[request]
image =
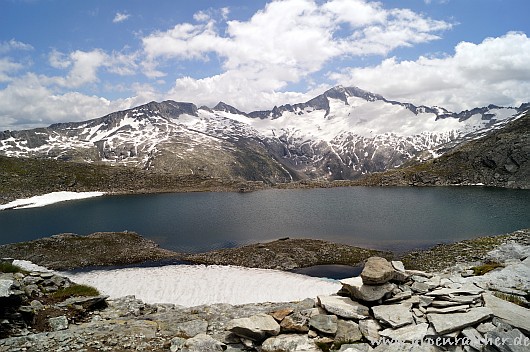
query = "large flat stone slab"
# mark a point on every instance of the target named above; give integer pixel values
(446, 323)
(256, 327)
(343, 307)
(396, 315)
(512, 314)
(407, 333)
(465, 290)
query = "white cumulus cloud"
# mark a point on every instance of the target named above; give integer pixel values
(495, 71)
(284, 43)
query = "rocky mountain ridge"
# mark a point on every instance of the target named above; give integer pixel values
(500, 158)
(344, 133)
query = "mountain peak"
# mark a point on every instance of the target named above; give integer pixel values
(221, 106)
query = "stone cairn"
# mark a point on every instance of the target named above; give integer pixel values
(389, 308)
(386, 308)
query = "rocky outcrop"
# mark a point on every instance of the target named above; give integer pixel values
(67, 251)
(450, 311)
(500, 159)
(31, 302)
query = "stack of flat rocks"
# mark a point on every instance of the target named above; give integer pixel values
(389, 308)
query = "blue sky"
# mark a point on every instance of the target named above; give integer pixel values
(64, 60)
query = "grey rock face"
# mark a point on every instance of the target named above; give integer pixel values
(377, 271)
(255, 328)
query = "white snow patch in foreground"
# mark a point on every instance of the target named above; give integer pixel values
(29, 266)
(193, 285)
(50, 198)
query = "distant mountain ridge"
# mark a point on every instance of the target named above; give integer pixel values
(344, 133)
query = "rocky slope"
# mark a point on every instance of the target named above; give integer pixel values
(26, 177)
(342, 134)
(387, 308)
(500, 158)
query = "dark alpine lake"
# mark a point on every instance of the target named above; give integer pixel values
(397, 219)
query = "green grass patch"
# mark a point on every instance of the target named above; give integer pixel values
(511, 298)
(75, 291)
(485, 268)
(11, 268)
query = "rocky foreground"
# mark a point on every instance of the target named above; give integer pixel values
(387, 308)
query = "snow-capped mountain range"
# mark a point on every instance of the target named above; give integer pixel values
(342, 134)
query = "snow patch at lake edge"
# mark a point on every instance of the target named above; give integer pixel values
(194, 285)
(47, 199)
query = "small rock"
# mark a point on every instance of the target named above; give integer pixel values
(452, 309)
(203, 343)
(289, 343)
(58, 323)
(398, 265)
(368, 293)
(326, 324)
(347, 331)
(177, 343)
(191, 328)
(420, 287)
(5, 288)
(377, 271)
(343, 307)
(296, 322)
(395, 315)
(370, 329)
(407, 333)
(256, 327)
(279, 315)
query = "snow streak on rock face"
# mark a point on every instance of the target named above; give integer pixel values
(341, 134)
(192, 285)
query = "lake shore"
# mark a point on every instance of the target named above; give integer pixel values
(448, 303)
(70, 251)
